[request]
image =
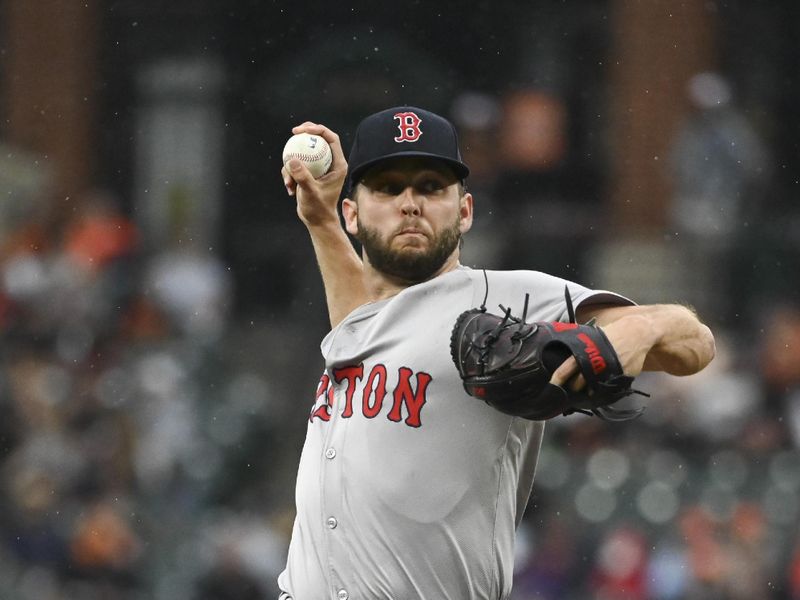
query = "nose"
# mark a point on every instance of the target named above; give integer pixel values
(409, 203)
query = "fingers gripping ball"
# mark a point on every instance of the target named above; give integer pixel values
(312, 150)
(508, 363)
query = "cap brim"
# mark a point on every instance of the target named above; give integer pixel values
(460, 169)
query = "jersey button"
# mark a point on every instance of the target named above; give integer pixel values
(330, 453)
(332, 522)
(343, 595)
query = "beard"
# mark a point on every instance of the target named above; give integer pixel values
(413, 265)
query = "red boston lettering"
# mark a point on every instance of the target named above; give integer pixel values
(378, 390)
(413, 400)
(324, 389)
(352, 374)
(407, 398)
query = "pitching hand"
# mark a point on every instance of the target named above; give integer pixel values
(317, 199)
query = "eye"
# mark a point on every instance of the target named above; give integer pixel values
(431, 185)
(389, 188)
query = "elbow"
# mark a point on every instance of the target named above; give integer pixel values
(708, 347)
(697, 353)
(703, 346)
(703, 351)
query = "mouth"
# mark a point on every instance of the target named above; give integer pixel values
(413, 231)
(411, 238)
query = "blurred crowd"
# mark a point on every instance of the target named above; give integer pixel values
(150, 433)
(136, 451)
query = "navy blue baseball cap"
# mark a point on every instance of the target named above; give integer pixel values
(403, 131)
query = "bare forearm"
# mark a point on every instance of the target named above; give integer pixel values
(341, 270)
(317, 201)
(669, 337)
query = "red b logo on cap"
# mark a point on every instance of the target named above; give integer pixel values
(408, 123)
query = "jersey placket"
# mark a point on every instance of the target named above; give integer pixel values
(335, 521)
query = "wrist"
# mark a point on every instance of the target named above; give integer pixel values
(321, 219)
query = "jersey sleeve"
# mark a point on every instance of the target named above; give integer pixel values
(546, 294)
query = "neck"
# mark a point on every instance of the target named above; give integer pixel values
(381, 285)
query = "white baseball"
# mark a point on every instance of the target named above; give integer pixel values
(313, 150)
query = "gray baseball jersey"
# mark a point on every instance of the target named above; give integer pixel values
(408, 487)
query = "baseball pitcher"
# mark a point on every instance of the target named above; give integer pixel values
(437, 379)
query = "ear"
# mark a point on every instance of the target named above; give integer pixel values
(465, 212)
(350, 214)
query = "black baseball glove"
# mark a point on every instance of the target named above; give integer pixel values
(508, 363)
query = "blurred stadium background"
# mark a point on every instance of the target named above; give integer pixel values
(160, 306)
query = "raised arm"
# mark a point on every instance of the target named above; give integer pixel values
(317, 207)
(657, 337)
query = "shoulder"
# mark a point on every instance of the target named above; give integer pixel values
(546, 293)
(512, 279)
(522, 281)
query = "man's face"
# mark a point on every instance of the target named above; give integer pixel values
(409, 216)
